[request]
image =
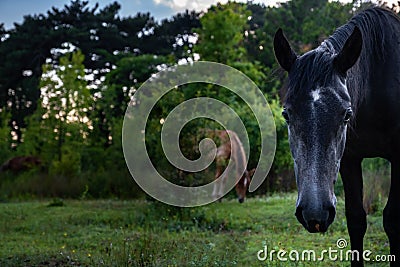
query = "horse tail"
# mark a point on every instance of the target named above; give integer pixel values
(237, 154)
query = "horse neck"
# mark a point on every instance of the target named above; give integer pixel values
(380, 29)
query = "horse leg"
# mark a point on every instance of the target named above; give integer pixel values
(217, 185)
(222, 185)
(391, 213)
(215, 190)
(351, 173)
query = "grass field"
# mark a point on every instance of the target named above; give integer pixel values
(146, 233)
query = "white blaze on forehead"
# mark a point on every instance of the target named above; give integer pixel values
(315, 94)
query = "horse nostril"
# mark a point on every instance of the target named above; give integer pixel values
(241, 200)
(315, 226)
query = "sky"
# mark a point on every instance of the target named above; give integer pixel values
(14, 10)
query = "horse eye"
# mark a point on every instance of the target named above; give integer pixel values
(285, 115)
(348, 115)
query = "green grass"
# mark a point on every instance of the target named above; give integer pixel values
(145, 233)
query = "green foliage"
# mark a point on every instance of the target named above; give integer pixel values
(34, 141)
(5, 136)
(119, 86)
(283, 158)
(60, 124)
(101, 34)
(221, 33)
(66, 99)
(69, 165)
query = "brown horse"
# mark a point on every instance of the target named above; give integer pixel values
(231, 148)
(20, 163)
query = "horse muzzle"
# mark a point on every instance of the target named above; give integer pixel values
(316, 220)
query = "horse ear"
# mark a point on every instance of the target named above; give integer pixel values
(350, 52)
(283, 52)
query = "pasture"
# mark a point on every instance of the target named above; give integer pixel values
(147, 233)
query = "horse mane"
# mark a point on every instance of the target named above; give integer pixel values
(237, 154)
(376, 26)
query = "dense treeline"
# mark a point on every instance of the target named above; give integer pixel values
(67, 76)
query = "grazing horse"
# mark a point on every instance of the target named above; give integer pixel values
(20, 163)
(231, 148)
(342, 104)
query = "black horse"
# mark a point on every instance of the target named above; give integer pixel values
(342, 104)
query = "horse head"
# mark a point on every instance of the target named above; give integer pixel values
(243, 185)
(317, 109)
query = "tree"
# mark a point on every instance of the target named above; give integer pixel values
(5, 136)
(101, 35)
(171, 36)
(118, 88)
(220, 37)
(62, 118)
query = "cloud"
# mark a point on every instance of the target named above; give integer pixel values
(181, 5)
(202, 5)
